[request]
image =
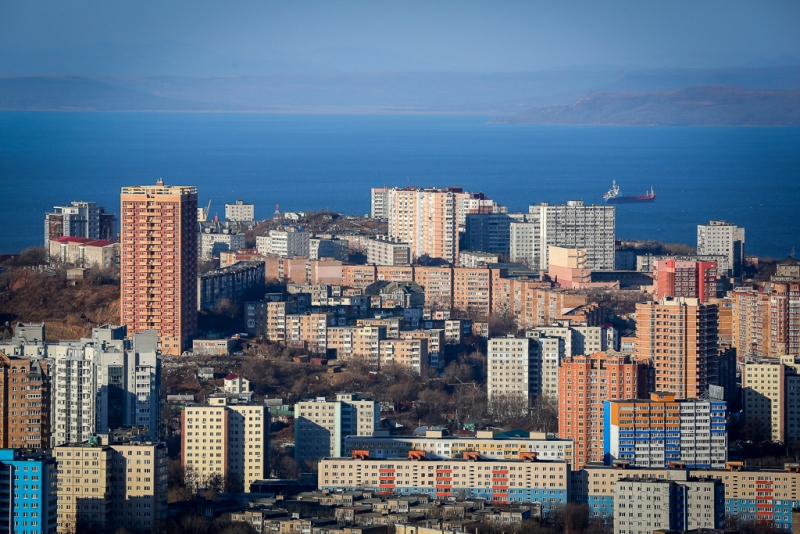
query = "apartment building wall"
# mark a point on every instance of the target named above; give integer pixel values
(97, 387)
(356, 342)
(212, 244)
(85, 484)
(31, 481)
(513, 369)
(309, 330)
(724, 239)
(692, 279)
(645, 505)
(657, 431)
(388, 251)
(25, 403)
(571, 225)
(764, 397)
(408, 351)
(289, 242)
(679, 336)
(226, 440)
(240, 211)
(500, 482)
(230, 283)
(585, 382)
(378, 202)
(454, 447)
(139, 489)
(488, 232)
(158, 263)
(426, 219)
(321, 426)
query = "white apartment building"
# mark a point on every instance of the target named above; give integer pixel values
(551, 351)
(229, 440)
(438, 445)
(321, 426)
(378, 200)
(570, 225)
(514, 369)
(288, 242)
(721, 238)
(387, 251)
(212, 243)
(240, 211)
(101, 385)
(643, 505)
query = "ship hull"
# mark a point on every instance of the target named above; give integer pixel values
(630, 200)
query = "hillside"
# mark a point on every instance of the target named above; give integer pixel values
(69, 311)
(694, 106)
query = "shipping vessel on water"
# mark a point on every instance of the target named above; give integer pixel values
(613, 196)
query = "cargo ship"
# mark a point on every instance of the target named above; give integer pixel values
(613, 196)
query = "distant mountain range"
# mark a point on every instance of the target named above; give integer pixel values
(591, 96)
(693, 106)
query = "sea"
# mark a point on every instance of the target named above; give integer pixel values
(301, 162)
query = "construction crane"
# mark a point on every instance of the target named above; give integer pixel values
(204, 211)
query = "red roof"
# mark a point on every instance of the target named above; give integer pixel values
(83, 241)
(231, 377)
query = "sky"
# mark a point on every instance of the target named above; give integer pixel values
(467, 35)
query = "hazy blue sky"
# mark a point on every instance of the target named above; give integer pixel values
(423, 35)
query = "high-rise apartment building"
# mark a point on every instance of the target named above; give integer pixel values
(571, 225)
(513, 371)
(693, 279)
(214, 242)
(660, 430)
(678, 336)
(387, 251)
(24, 403)
(30, 486)
(79, 219)
(724, 239)
(426, 219)
(766, 321)
(158, 263)
(229, 441)
(106, 483)
(585, 383)
(102, 384)
(240, 211)
(321, 426)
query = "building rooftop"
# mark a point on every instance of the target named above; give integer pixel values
(85, 241)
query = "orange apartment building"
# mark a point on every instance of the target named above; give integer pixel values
(472, 290)
(158, 262)
(387, 273)
(724, 319)
(409, 351)
(438, 284)
(766, 321)
(584, 383)
(359, 276)
(678, 336)
(25, 398)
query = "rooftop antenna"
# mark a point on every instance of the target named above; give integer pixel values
(277, 214)
(160, 181)
(791, 255)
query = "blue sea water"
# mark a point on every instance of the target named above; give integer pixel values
(749, 176)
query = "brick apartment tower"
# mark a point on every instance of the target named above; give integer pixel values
(766, 321)
(25, 399)
(584, 383)
(696, 279)
(158, 262)
(679, 338)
